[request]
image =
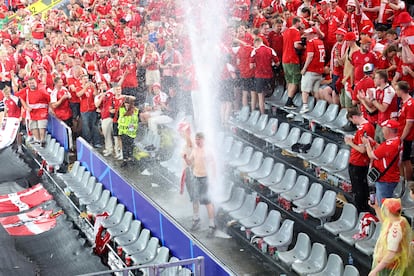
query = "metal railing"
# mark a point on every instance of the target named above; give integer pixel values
(156, 269)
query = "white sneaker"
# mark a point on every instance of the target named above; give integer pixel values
(304, 109)
(120, 157)
(107, 153)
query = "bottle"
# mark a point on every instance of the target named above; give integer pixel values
(350, 259)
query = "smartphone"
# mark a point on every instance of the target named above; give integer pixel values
(372, 198)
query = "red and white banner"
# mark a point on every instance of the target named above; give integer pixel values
(24, 200)
(8, 131)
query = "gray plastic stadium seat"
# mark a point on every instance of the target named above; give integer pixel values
(50, 152)
(251, 122)
(317, 111)
(346, 221)
(299, 103)
(254, 163)
(340, 162)
(236, 200)
(77, 178)
(315, 150)
(184, 272)
(48, 149)
(325, 208)
(243, 159)
(110, 207)
(283, 237)
(350, 270)
(123, 226)
(57, 159)
(264, 170)
(312, 198)
(280, 135)
(257, 218)
(148, 254)
(162, 257)
(246, 209)
(334, 266)
(224, 193)
(171, 271)
(275, 176)
(298, 191)
(269, 130)
(289, 180)
(235, 151)
(260, 125)
(347, 236)
(406, 201)
(86, 190)
(305, 138)
(367, 246)
(39, 148)
(72, 173)
(93, 197)
(328, 155)
(330, 114)
(225, 147)
(279, 99)
(139, 244)
(269, 226)
(409, 213)
(114, 218)
(81, 183)
(131, 235)
(344, 174)
(292, 138)
(242, 116)
(100, 203)
(314, 263)
(299, 252)
(339, 122)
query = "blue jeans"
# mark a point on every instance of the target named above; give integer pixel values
(384, 190)
(90, 131)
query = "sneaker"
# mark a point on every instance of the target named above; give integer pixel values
(120, 157)
(98, 146)
(107, 153)
(20, 151)
(195, 225)
(211, 231)
(304, 109)
(290, 106)
(124, 164)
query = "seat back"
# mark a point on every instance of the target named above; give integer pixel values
(330, 113)
(334, 266)
(318, 255)
(162, 256)
(351, 270)
(301, 183)
(50, 146)
(267, 165)
(60, 156)
(314, 194)
(349, 214)
(282, 132)
(328, 202)
(303, 246)
(278, 172)
(247, 207)
(341, 160)
(243, 115)
(74, 170)
(289, 178)
(260, 212)
(103, 199)
(341, 120)
(272, 221)
(246, 155)
(293, 136)
(285, 233)
(255, 161)
(305, 138)
(297, 99)
(406, 201)
(131, 235)
(236, 199)
(329, 153)
(271, 127)
(227, 144)
(316, 147)
(254, 117)
(110, 207)
(261, 123)
(115, 217)
(235, 151)
(79, 174)
(319, 109)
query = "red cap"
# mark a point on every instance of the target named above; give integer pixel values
(91, 67)
(350, 36)
(390, 124)
(311, 31)
(340, 31)
(367, 29)
(393, 205)
(156, 85)
(403, 18)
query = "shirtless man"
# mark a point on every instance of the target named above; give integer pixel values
(201, 162)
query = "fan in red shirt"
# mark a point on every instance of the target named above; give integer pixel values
(113, 66)
(246, 72)
(38, 32)
(258, 17)
(335, 19)
(12, 104)
(106, 37)
(129, 80)
(240, 10)
(313, 68)
(59, 101)
(406, 129)
(262, 59)
(360, 92)
(361, 57)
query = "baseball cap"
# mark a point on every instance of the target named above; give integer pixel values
(390, 124)
(156, 85)
(367, 29)
(351, 3)
(350, 36)
(403, 18)
(393, 205)
(366, 40)
(368, 68)
(311, 31)
(340, 31)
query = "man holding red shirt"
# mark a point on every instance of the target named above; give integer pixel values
(359, 160)
(406, 130)
(313, 68)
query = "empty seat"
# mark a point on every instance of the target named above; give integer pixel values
(406, 201)
(72, 173)
(264, 170)
(283, 237)
(367, 246)
(242, 116)
(314, 263)
(123, 226)
(330, 114)
(278, 100)
(269, 130)
(114, 218)
(235, 201)
(350, 270)
(325, 209)
(299, 252)
(139, 244)
(254, 163)
(224, 193)
(315, 149)
(46, 150)
(291, 139)
(251, 122)
(340, 162)
(243, 159)
(259, 126)
(246, 210)
(109, 207)
(162, 257)
(328, 155)
(299, 103)
(235, 151)
(57, 159)
(340, 121)
(93, 197)
(312, 198)
(100, 203)
(173, 270)
(269, 226)
(79, 182)
(257, 218)
(288, 181)
(305, 139)
(225, 147)
(131, 235)
(317, 111)
(298, 191)
(86, 190)
(275, 176)
(334, 266)
(148, 254)
(281, 134)
(346, 221)
(347, 236)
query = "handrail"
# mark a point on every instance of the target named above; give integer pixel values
(154, 269)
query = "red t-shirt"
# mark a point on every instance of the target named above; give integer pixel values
(243, 56)
(290, 36)
(38, 35)
(372, 4)
(13, 110)
(131, 78)
(263, 57)
(78, 85)
(363, 85)
(316, 47)
(38, 100)
(87, 101)
(63, 111)
(356, 158)
(114, 63)
(406, 114)
(107, 104)
(358, 59)
(335, 20)
(384, 154)
(276, 42)
(386, 95)
(106, 37)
